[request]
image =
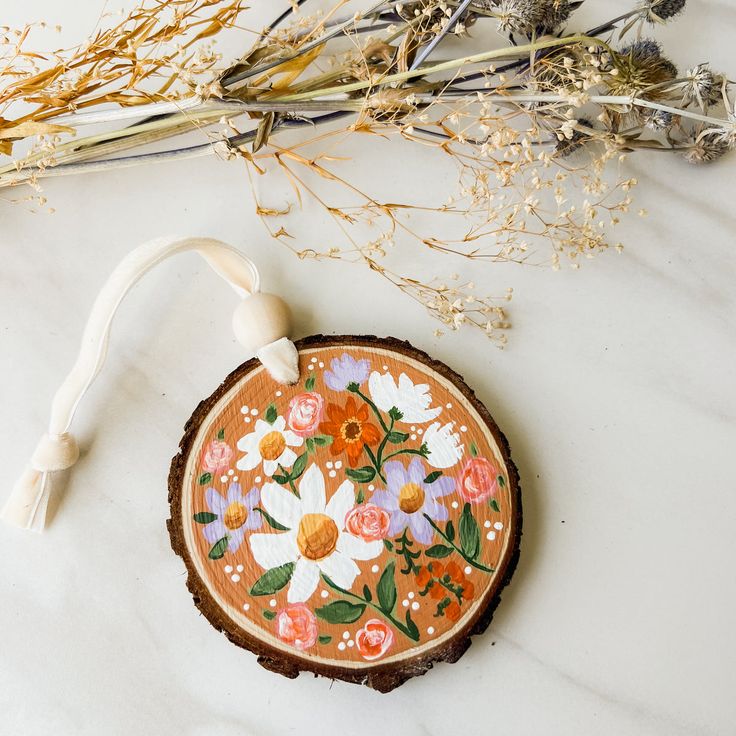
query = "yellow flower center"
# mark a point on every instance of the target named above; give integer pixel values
(317, 536)
(272, 445)
(351, 430)
(411, 498)
(235, 515)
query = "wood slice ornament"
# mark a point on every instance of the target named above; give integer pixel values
(359, 524)
(343, 505)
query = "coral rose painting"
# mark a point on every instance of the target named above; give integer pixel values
(354, 518)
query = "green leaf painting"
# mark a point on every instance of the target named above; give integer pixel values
(273, 580)
(218, 548)
(438, 551)
(469, 533)
(361, 475)
(386, 589)
(271, 414)
(204, 517)
(341, 612)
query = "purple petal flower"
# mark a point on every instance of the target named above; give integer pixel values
(219, 505)
(214, 530)
(346, 370)
(397, 476)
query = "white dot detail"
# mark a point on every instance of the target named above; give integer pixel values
(467, 570)
(254, 412)
(228, 569)
(405, 603)
(235, 478)
(257, 479)
(420, 430)
(415, 606)
(413, 436)
(243, 409)
(240, 568)
(351, 643)
(223, 479)
(321, 364)
(448, 406)
(491, 536)
(246, 606)
(329, 464)
(385, 367)
(430, 630)
(454, 504)
(341, 646)
(410, 595)
(313, 360)
(498, 525)
(346, 635)
(324, 594)
(487, 524)
(247, 420)
(463, 428)
(235, 578)
(338, 464)
(272, 603)
(375, 568)
(371, 487)
(231, 472)
(279, 393)
(332, 474)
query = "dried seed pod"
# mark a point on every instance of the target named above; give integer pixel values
(662, 10)
(705, 149)
(639, 66)
(529, 16)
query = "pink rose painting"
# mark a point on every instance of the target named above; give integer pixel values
(368, 521)
(297, 625)
(305, 413)
(374, 639)
(479, 479)
(217, 456)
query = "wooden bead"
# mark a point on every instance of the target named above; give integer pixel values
(261, 319)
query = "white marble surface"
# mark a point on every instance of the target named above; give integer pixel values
(616, 392)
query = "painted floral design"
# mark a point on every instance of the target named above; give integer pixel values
(305, 413)
(234, 514)
(346, 370)
(443, 445)
(269, 444)
(374, 639)
(350, 429)
(369, 522)
(412, 400)
(315, 541)
(410, 499)
(376, 511)
(479, 479)
(217, 456)
(297, 625)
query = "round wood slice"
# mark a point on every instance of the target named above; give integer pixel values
(359, 525)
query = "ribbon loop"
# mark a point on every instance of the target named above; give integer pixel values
(262, 327)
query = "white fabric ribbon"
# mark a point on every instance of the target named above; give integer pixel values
(261, 328)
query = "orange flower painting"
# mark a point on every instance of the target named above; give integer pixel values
(350, 429)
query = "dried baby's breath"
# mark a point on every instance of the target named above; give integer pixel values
(537, 130)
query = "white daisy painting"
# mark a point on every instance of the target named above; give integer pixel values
(270, 444)
(314, 540)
